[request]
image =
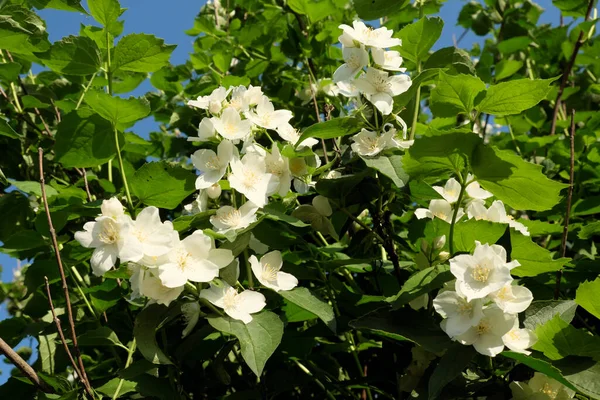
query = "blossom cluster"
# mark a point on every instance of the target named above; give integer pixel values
(481, 307)
(474, 205)
(541, 387)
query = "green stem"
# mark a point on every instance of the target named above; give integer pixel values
(463, 186)
(317, 381)
(413, 127)
(350, 338)
(359, 222)
(87, 87)
(211, 306)
(248, 270)
(130, 351)
(123, 174)
(512, 135)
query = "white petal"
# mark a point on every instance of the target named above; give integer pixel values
(286, 281)
(103, 259)
(383, 101)
(215, 294)
(251, 302)
(171, 275)
(489, 345)
(220, 257)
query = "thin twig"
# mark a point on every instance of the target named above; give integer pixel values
(563, 242)
(24, 367)
(59, 329)
(85, 182)
(63, 278)
(567, 71)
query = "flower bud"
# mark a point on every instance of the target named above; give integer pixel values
(439, 242)
(214, 107)
(214, 191)
(443, 256)
(424, 247)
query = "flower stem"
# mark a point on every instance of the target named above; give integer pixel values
(463, 186)
(130, 352)
(123, 174)
(248, 270)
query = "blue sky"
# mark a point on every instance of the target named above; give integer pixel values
(169, 22)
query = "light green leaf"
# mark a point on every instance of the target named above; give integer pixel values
(425, 77)
(589, 230)
(588, 297)
(518, 183)
(389, 165)
(542, 311)
(162, 185)
(198, 221)
(452, 58)
(513, 97)
(335, 128)
(534, 259)
(84, 140)
(10, 71)
(258, 339)
(120, 112)
(65, 5)
(33, 187)
(22, 31)
(467, 232)
(144, 330)
(419, 37)
(558, 339)
(571, 8)
(507, 68)
(103, 336)
(106, 12)
(303, 298)
(374, 9)
(455, 94)
(514, 44)
(139, 52)
(539, 365)
(450, 367)
(110, 387)
(582, 373)
(420, 283)
(47, 350)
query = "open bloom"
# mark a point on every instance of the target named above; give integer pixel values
(541, 387)
(145, 283)
(213, 102)
(236, 305)
(355, 59)
(519, 340)
(380, 88)
(206, 131)
(228, 218)
(359, 34)
(486, 336)
(231, 126)
(482, 273)
(495, 213)
(441, 209)
(388, 60)
(475, 191)
(268, 272)
(112, 208)
(193, 258)
(148, 236)
(249, 176)
(450, 191)
(279, 166)
(290, 134)
(512, 299)
(369, 143)
(459, 313)
(265, 115)
(212, 166)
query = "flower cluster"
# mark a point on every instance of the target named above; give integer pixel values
(474, 204)
(482, 307)
(541, 387)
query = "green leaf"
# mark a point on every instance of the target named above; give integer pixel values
(7, 130)
(10, 71)
(139, 52)
(334, 128)
(33, 187)
(513, 97)
(22, 31)
(518, 183)
(389, 165)
(374, 9)
(144, 331)
(258, 339)
(589, 230)
(467, 232)
(162, 185)
(453, 59)
(110, 387)
(419, 37)
(73, 55)
(507, 68)
(420, 283)
(65, 5)
(200, 220)
(103, 336)
(571, 8)
(425, 77)
(542, 311)
(587, 297)
(534, 259)
(47, 350)
(455, 94)
(582, 373)
(303, 298)
(422, 329)
(558, 339)
(84, 140)
(107, 12)
(514, 44)
(120, 112)
(539, 365)
(449, 368)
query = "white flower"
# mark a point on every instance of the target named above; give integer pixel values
(236, 305)
(279, 166)
(512, 299)
(145, 283)
(380, 88)
(369, 143)
(193, 258)
(212, 102)
(459, 313)
(249, 176)
(231, 126)
(206, 131)
(266, 117)
(450, 191)
(519, 340)
(257, 246)
(200, 204)
(149, 235)
(112, 208)
(359, 32)
(214, 191)
(107, 236)
(228, 218)
(347, 89)
(268, 272)
(541, 387)
(487, 335)
(355, 59)
(495, 213)
(239, 101)
(253, 95)
(388, 60)
(441, 209)
(475, 191)
(290, 134)
(482, 273)
(212, 166)
(395, 141)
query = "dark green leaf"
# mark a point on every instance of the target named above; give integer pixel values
(588, 297)
(335, 128)
(162, 185)
(373, 9)
(303, 298)
(389, 165)
(449, 368)
(103, 336)
(144, 330)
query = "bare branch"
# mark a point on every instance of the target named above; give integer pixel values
(24, 367)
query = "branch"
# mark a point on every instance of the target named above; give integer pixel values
(563, 242)
(85, 181)
(24, 367)
(567, 71)
(83, 375)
